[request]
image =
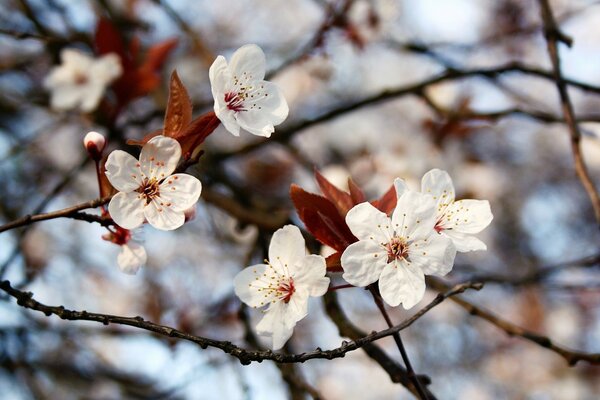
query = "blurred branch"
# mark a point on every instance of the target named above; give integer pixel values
(26, 300)
(553, 35)
(572, 357)
(417, 89)
(69, 212)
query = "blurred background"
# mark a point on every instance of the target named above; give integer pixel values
(361, 81)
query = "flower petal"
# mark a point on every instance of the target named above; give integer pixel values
(220, 77)
(286, 249)
(414, 216)
(309, 273)
(163, 217)
(248, 63)
(264, 110)
(159, 157)
(131, 257)
(127, 209)
(467, 216)
(106, 69)
(464, 242)
(402, 282)
(438, 184)
(363, 262)
(280, 319)
(400, 187)
(180, 191)
(368, 223)
(248, 285)
(123, 171)
(433, 255)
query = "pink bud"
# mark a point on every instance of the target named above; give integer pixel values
(190, 213)
(94, 143)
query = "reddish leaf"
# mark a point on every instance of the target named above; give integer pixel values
(321, 218)
(142, 142)
(109, 40)
(341, 199)
(196, 132)
(387, 202)
(179, 108)
(157, 54)
(334, 262)
(356, 193)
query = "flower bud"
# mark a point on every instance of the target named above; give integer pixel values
(94, 143)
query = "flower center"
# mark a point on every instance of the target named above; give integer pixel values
(397, 249)
(286, 289)
(235, 101)
(150, 189)
(80, 78)
(438, 226)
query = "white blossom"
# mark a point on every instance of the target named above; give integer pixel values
(131, 257)
(458, 220)
(147, 190)
(80, 81)
(398, 251)
(243, 99)
(283, 285)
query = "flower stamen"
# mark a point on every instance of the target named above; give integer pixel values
(397, 249)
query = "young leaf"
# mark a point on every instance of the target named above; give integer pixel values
(387, 202)
(341, 199)
(334, 262)
(358, 196)
(194, 134)
(179, 108)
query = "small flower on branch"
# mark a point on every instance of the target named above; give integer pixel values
(80, 81)
(397, 251)
(132, 255)
(457, 220)
(283, 285)
(243, 99)
(147, 190)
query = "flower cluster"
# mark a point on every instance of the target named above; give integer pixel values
(393, 241)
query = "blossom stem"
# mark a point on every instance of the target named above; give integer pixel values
(338, 287)
(411, 373)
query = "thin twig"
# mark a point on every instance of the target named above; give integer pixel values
(553, 35)
(25, 299)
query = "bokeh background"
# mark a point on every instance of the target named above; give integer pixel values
(486, 130)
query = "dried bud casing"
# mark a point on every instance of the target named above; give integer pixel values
(94, 143)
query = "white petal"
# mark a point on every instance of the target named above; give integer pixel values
(279, 321)
(464, 242)
(309, 273)
(286, 249)
(266, 108)
(363, 262)
(401, 282)
(434, 256)
(123, 171)
(400, 187)
(438, 184)
(159, 157)
(414, 216)
(467, 216)
(227, 118)
(91, 97)
(180, 191)
(220, 77)
(248, 285)
(127, 209)
(248, 63)
(65, 97)
(163, 217)
(368, 223)
(131, 257)
(107, 68)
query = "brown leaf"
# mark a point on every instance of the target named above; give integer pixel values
(157, 54)
(358, 196)
(179, 108)
(341, 199)
(321, 218)
(334, 262)
(387, 202)
(196, 132)
(109, 40)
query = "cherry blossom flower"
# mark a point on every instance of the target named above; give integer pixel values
(147, 190)
(458, 220)
(132, 255)
(398, 251)
(80, 81)
(94, 144)
(242, 98)
(283, 285)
